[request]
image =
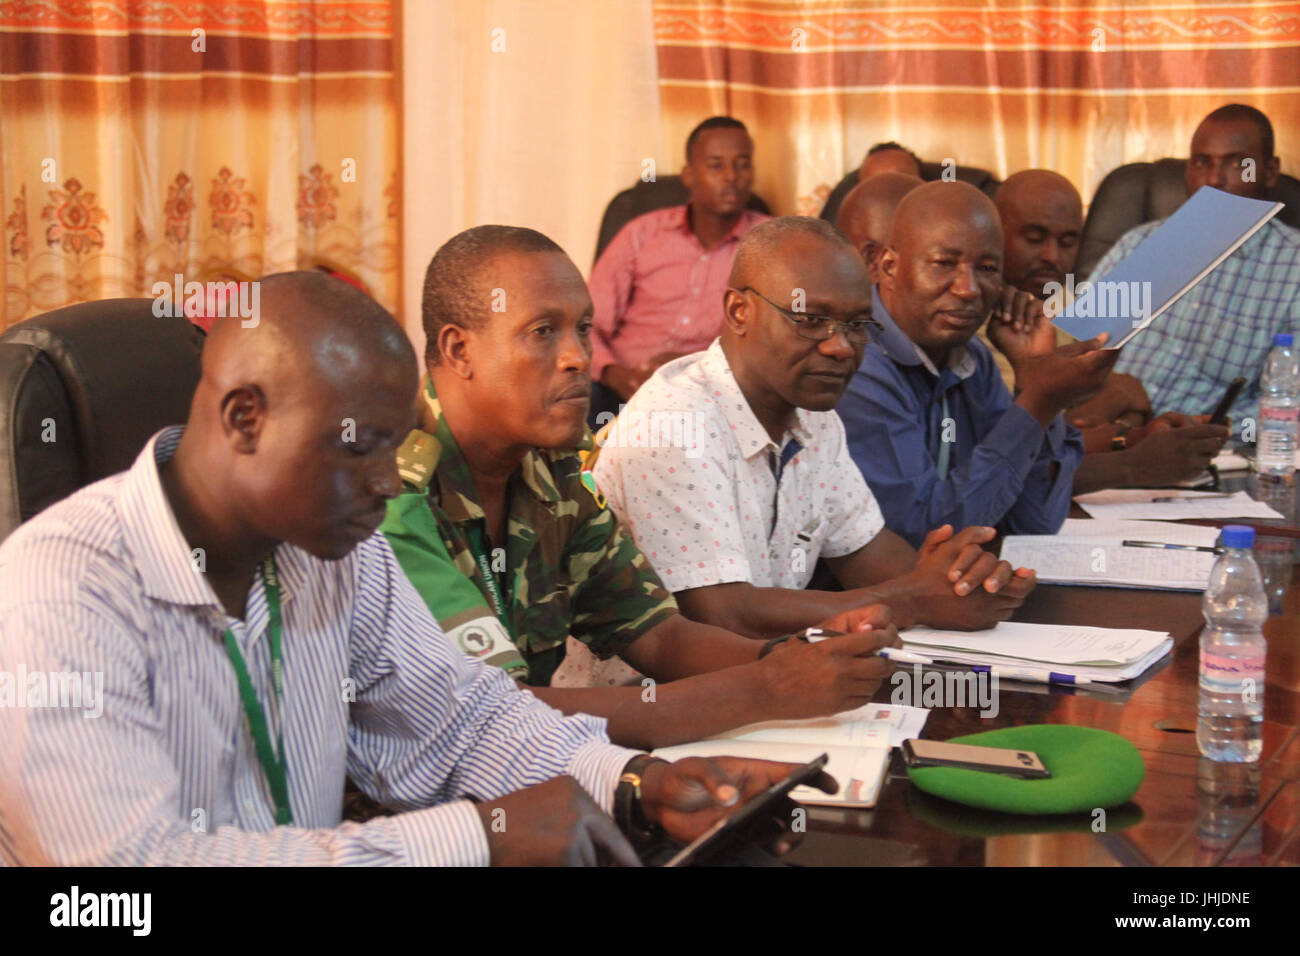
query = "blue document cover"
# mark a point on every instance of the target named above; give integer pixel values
(1187, 247)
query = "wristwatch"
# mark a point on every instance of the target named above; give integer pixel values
(628, 812)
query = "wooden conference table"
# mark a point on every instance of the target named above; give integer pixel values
(1188, 812)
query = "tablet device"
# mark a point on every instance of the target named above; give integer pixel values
(736, 829)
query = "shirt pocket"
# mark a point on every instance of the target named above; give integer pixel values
(805, 549)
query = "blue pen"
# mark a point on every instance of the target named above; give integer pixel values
(1031, 674)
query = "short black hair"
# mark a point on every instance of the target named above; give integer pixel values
(452, 293)
(761, 246)
(713, 122)
(1240, 112)
(881, 147)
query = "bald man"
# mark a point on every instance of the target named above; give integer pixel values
(888, 157)
(736, 506)
(256, 642)
(930, 423)
(1042, 216)
(867, 214)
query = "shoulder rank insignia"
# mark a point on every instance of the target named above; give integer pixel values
(417, 458)
(589, 482)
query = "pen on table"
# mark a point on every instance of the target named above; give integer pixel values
(1170, 498)
(1170, 547)
(1032, 674)
(906, 657)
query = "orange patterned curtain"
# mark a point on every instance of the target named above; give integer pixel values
(1078, 87)
(237, 138)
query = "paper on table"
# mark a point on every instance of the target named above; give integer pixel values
(857, 741)
(1093, 552)
(1042, 643)
(1137, 503)
(1165, 531)
(858, 770)
(878, 725)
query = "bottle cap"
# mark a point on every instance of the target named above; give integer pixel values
(1285, 339)
(1238, 536)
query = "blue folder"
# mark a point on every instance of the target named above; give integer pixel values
(1185, 249)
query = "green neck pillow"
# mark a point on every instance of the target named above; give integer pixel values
(1090, 769)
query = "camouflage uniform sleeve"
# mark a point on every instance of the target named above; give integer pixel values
(461, 610)
(617, 596)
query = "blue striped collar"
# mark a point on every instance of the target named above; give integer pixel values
(165, 561)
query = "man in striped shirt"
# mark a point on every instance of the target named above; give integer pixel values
(250, 641)
(1223, 327)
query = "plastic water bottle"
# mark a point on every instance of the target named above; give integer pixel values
(1279, 408)
(1231, 705)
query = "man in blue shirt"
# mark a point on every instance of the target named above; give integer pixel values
(939, 438)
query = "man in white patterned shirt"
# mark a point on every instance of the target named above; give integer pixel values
(730, 466)
(1224, 327)
(250, 641)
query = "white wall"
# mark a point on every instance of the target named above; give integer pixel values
(542, 134)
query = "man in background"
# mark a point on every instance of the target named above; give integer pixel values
(1224, 326)
(867, 214)
(889, 157)
(658, 285)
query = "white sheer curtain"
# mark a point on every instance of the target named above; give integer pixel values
(523, 112)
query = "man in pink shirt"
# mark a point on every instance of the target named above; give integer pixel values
(658, 286)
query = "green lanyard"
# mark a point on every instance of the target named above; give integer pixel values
(272, 763)
(478, 545)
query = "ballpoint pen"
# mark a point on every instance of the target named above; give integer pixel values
(1169, 498)
(1171, 547)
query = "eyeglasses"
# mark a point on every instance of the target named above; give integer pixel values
(820, 328)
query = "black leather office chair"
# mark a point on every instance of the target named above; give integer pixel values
(979, 178)
(645, 197)
(1140, 192)
(81, 391)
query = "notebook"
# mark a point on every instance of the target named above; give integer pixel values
(1092, 552)
(1085, 653)
(858, 743)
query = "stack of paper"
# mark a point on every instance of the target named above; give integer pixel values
(1085, 653)
(1093, 552)
(857, 741)
(1141, 504)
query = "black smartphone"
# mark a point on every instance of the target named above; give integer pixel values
(936, 753)
(1220, 414)
(725, 835)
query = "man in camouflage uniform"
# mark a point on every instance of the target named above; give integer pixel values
(573, 568)
(496, 503)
